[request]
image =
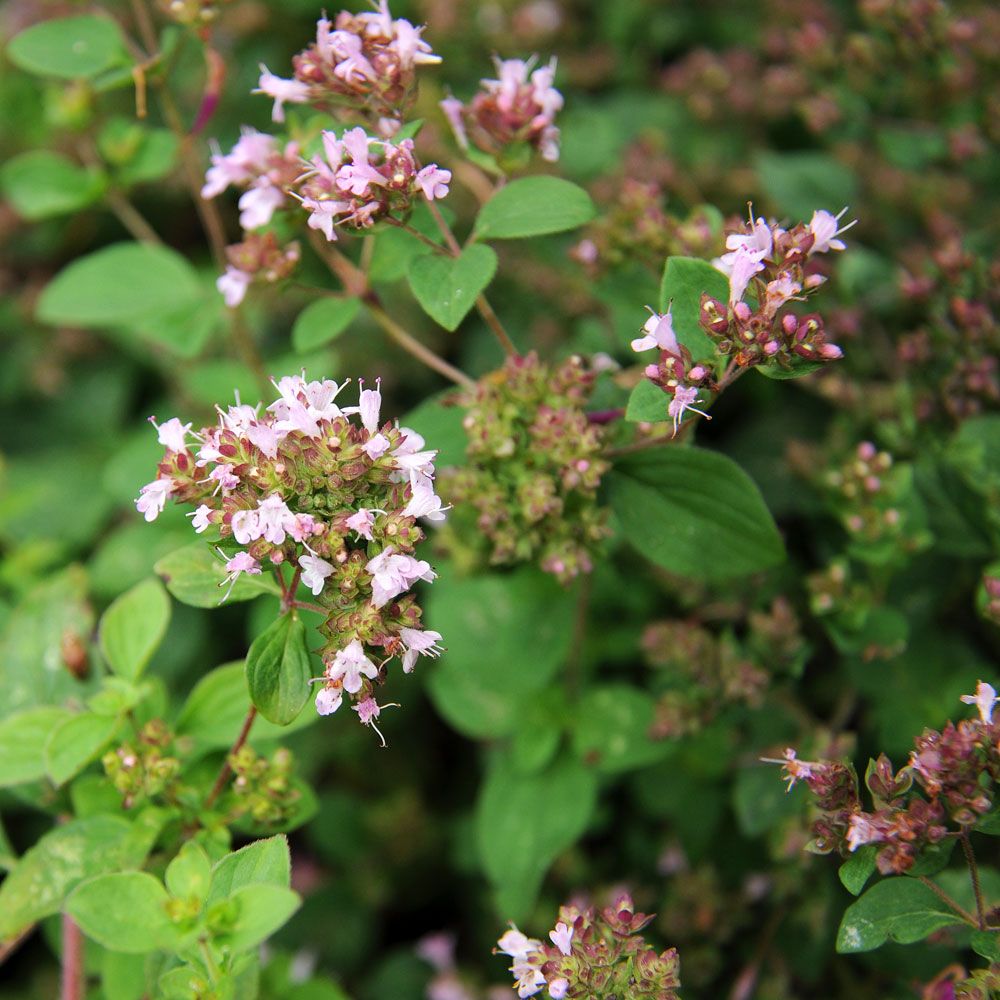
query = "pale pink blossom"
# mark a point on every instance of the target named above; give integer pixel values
(233, 285)
(225, 477)
(419, 642)
(275, 519)
(240, 563)
(245, 161)
(362, 522)
(392, 574)
(437, 950)
(517, 945)
(301, 526)
(659, 329)
(823, 226)
(349, 665)
(984, 699)
(452, 108)
(201, 518)
(328, 699)
(245, 525)
(369, 405)
(376, 447)
(265, 437)
(259, 203)
(292, 91)
(315, 572)
(410, 47)
(558, 988)
(528, 979)
(425, 503)
(153, 498)
(860, 830)
(433, 181)
(562, 936)
(172, 434)
(684, 396)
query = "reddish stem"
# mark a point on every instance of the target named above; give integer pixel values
(72, 960)
(226, 771)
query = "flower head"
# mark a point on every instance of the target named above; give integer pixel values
(984, 699)
(659, 329)
(684, 396)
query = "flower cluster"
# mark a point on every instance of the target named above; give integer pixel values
(302, 486)
(360, 180)
(258, 258)
(954, 771)
(365, 62)
(144, 768)
(597, 954)
(534, 468)
(510, 115)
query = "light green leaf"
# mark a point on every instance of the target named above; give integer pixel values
(69, 47)
(42, 184)
(487, 672)
(22, 743)
(123, 977)
(189, 874)
(685, 279)
(264, 862)
(133, 627)
(647, 404)
(195, 575)
(611, 729)
(124, 911)
(694, 512)
(447, 287)
(262, 910)
(278, 670)
(72, 745)
(534, 206)
(322, 321)
(524, 821)
(895, 909)
(119, 285)
(61, 858)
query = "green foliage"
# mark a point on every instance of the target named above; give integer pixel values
(41, 185)
(685, 280)
(647, 403)
(133, 627)
(196, 576)
(323, 321)
(278, 670)
(69, 47)
(534, 206)
(447, 287)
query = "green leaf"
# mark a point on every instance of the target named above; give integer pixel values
(760, 800)
(264, 862)
(647, 404)
(195, 575)
(124, 911)
(694, 512)
(487, 672)
(442, 428)
(119, 285)
(800, 183)
(72, 745)
(684, 281)
(41, 184)
(895, 909)
(61, 859)
(612, 724)
(189, 875)
(858, 868)
(132, 629)
(262, 910)
(447, 287)
(69, 47)
(322, 321)
(797, 367)
(123, 977)
(987, 944)
(534, 206)
(278, 670)
(524, 821)
(22, 743)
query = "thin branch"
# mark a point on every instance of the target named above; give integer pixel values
(226, 770)
(130, 217)
(309, 606)
(970, 860)
(72, 960)
(288, 597)
(949, 902)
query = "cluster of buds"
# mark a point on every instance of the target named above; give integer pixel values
(363, 62)
(302, 486)
(954, 771)
(635, 226)
(867, 493)
(983, 984)
(706, 673)
(262, 788)
(534, 468)
(596, 954)
(512, 115)
(193, 12)
(258, 258)
(777, 266)
(146, 769)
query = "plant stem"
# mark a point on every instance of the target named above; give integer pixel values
(970, 860)
(288, 596)
(129, 216)
(309, 606)
(226, 770)
(72, 960)
(948, 901)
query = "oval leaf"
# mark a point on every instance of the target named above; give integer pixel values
(69, 47)
(647, 404)
(123, 911)
(322, 321)
(694, 512)
(612, 724)
(41, 184)
(74, 744)
(262, 910)
(195, 575)
(534, 206)
(447, 287)
(278, 670)
(22, 743)
(133, 627)
(684, 281)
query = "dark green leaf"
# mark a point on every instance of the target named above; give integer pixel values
(800, 183)
(684, 281)
(761, 801)
(694, 512)
(322, 321)
(441, 427)
(278, 670)
(611, 729)
(647, 404)
(797, 367)
(987, 944)
(133, 627)
(858, 868)
(534, 206)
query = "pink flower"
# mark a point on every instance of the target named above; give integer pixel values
(528, 980)
(328, 700)
(242, 562)
(362, 522)
(301, 526)
(233, 285)
(433, 181)
(823, 226)
(172, 434)
(392, 574)
(984, 699)
(259, 203)
(246, 527)
(860, 830)
(315, 572)
(275, 519)
(558, 988)
(201, 518)
(562, 937)
(659, 333)
(425, 503)
(153, 498)
(369, 405)
(246, 160)
(410, 47)
(225, 477)
(419, 642)
(351, 63)
(376, 447)
(265, 437)
(684, 396)
(292, 91)
(517, 945)
(758, 242)
(744, 266)
(452, 108)
(350, 665)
